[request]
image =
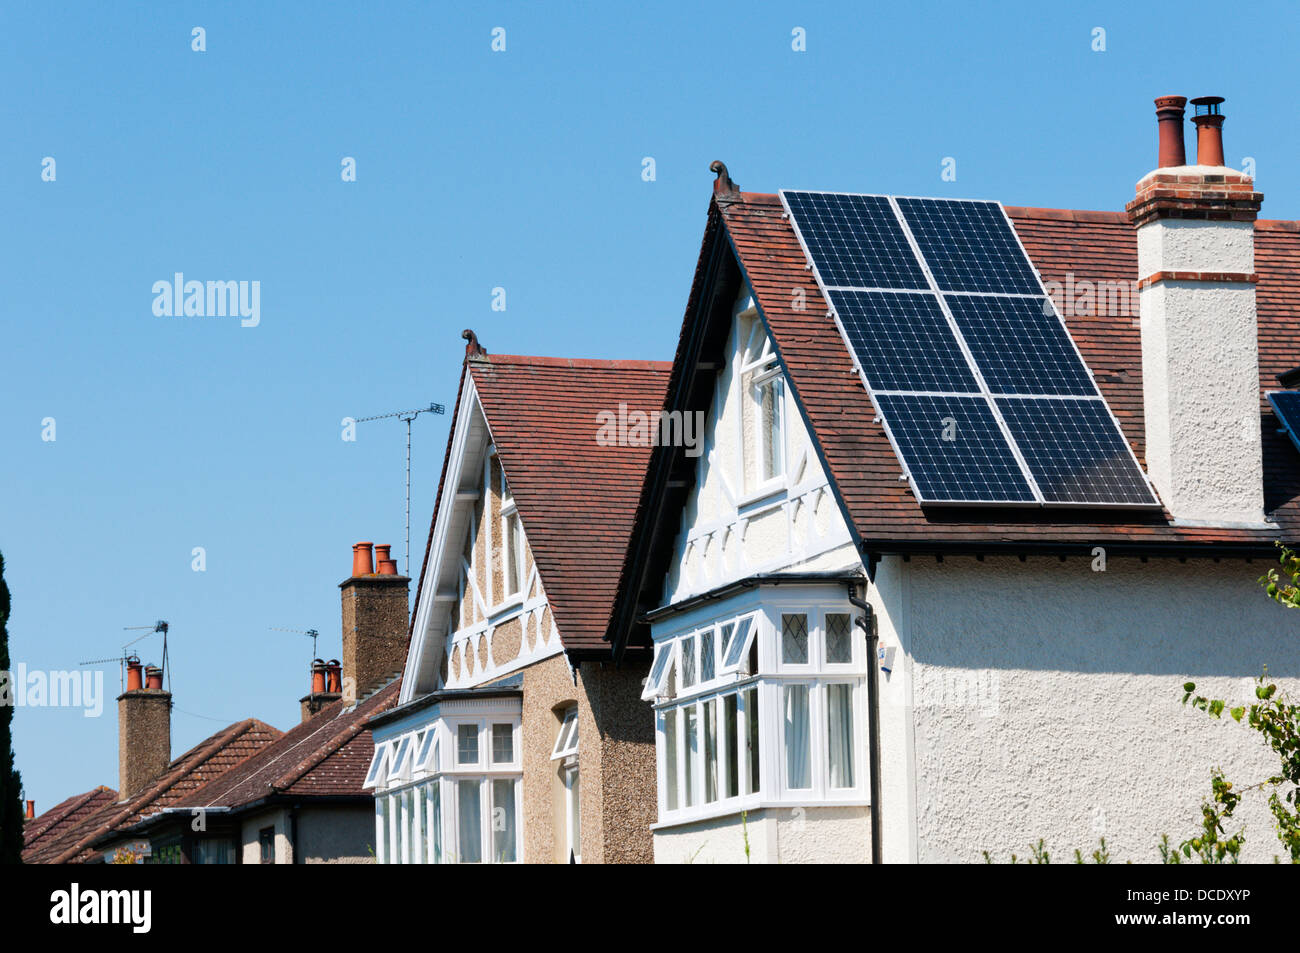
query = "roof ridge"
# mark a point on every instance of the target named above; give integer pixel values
(353, 728)
(575, 362)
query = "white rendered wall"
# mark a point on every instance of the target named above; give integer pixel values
(1200, 372)
(812, 835)
(1047, 701)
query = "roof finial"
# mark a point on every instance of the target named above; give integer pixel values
(473, 350)
(722, 185)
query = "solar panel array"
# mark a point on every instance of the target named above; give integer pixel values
(983, 393)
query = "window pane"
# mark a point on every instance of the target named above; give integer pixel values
(706, 656)
(661, 662)
(751, 739)
(670, 758)
(688, 661)
(839, 639)
(769, 398)
(381, 831)
(435, 821)
(724, 641)
(731, 769)
(467, 744)
(394, 830)
(711, 750)
(470, 827)
(794, 639)
(692, 730)
(503, 744)
(839, 720)
(503, 821)
(798, 771)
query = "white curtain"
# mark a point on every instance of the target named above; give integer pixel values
(470, 828)
(797, 755)
(839, 707)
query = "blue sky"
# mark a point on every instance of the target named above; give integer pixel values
(476, 169)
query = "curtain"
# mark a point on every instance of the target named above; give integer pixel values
(797, 755)
(839, 707)
(503, 821)
(470, 828)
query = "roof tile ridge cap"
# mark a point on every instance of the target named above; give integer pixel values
(611, 363)
(1097, 216)
(355, 725)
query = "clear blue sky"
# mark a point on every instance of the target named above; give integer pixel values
(475, 170)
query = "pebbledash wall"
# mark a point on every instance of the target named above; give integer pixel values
(1046, 701)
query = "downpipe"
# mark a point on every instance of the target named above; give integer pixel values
(866, 622)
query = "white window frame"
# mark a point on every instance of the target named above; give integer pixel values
(377, 775)
(752, 374)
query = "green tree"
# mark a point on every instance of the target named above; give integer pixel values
(1284, 586)
(11, 807)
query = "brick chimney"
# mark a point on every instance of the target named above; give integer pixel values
(322, 692)
(1200, 357)
(375, 623)
(144, 729)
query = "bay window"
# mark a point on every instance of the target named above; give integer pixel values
(566, 753)
(765, 712)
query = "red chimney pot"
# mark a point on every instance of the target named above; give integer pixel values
(317, 676)
(1209, 130)
(31, 810)
(363, 559)
(335, 671)
(1169, 119)
(152, 677)
(134, 681)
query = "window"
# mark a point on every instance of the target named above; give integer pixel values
(213, 850)
(469, 818)
(266, 845)
(503, 744)
(467, 744)
(512, 545)
(566, 743)
(401, 765)
(770, 713)
(763, 422)
(378, 766)
(433, 799)
(504, 836)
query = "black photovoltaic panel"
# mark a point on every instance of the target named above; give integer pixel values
(969, 246)
(1020, 345)
(954, 449)
(1071, 452)
(1286, 407)
(903, 341)
(856, 241)
(1075, 451)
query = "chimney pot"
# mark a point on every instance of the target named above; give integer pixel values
(31, 810)
(134, 679)
(1209, 130)
(335, 672)
(153, 677)
(382, 551)
(388, 567)
(1169, 119)
(317, 676)
(363, 559)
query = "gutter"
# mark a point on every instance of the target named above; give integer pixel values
(750, 582)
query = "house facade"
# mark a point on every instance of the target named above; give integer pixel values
(1030, 659)
(516, 738)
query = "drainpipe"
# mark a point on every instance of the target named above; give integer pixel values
(866, 622)
(293, 834)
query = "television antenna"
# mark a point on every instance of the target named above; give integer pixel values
(407, 416)
(159, 626)
(309, 632)
(121, 661)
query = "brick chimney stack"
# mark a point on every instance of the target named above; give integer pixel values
(375, 623)
(1200, 350)
(144, 729)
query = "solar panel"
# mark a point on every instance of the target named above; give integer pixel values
(955, 450)
(1286, 407)
(856, 241)
(1020, 345)
(969, 246)
(904, 340)
(982, 391)
(1074, 450)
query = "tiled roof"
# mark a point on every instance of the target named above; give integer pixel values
(327, 755)
(202, 763)
(576, 499)
(883, 512)
(63, 817)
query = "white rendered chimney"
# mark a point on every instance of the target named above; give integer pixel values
(1200, 346)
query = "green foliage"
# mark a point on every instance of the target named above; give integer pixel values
(1284, 587)
(11, 784)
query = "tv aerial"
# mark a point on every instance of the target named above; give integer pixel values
(159, 626)
(312, 633)
(407, 416)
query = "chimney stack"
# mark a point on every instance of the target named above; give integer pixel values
(321, 694)
(31, 810)
(1200, 350)
(375, 623)
(144, 726)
